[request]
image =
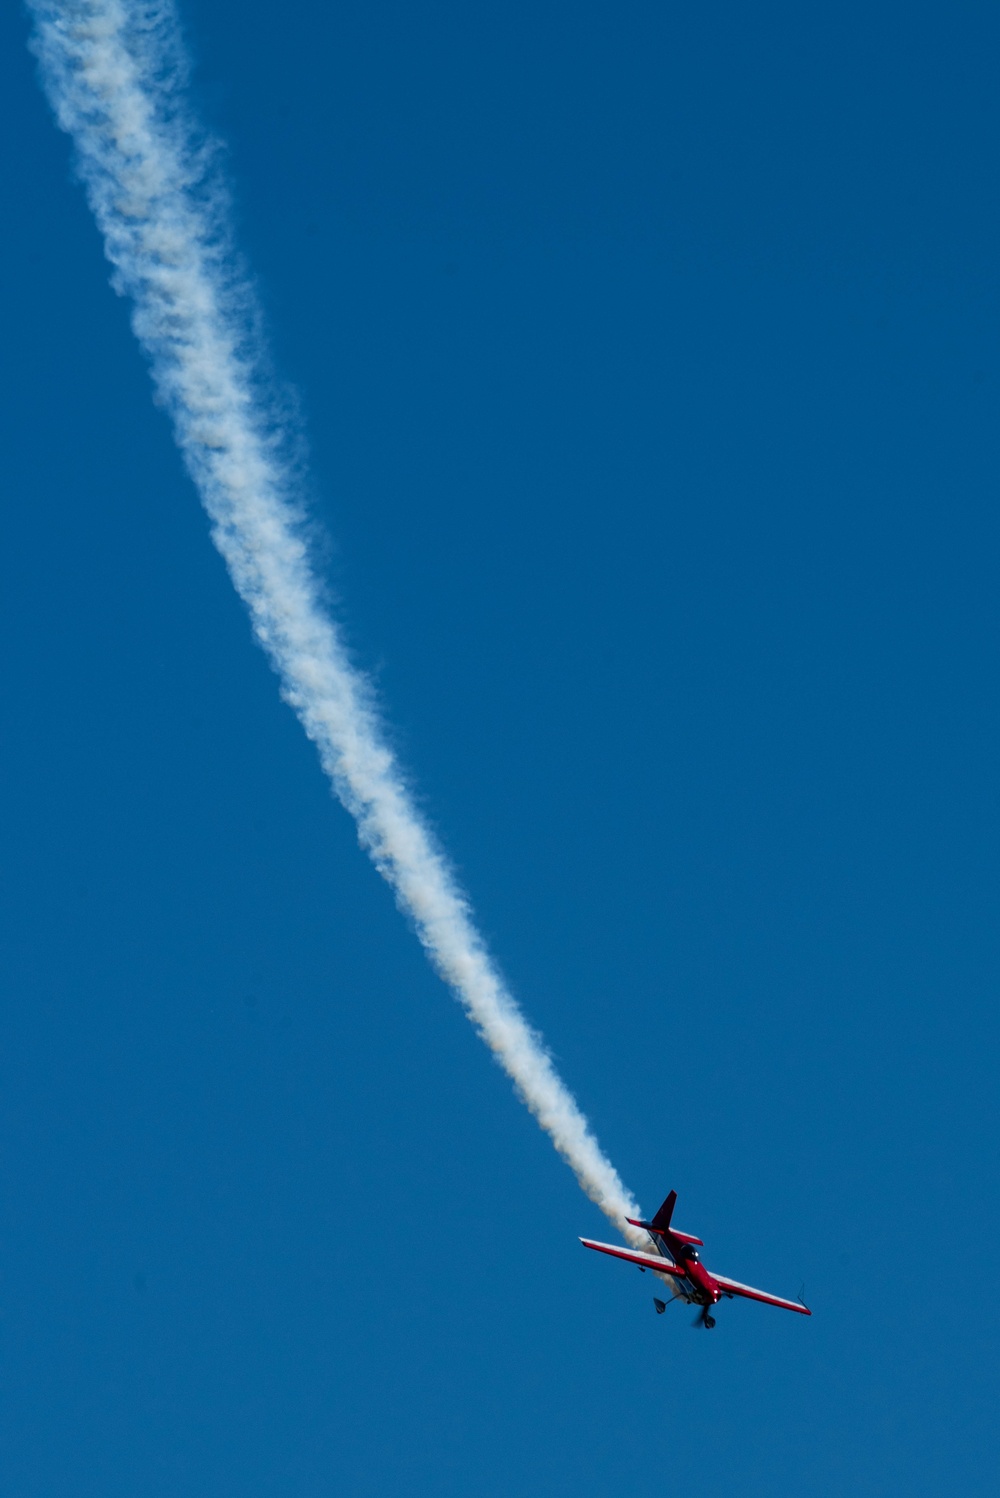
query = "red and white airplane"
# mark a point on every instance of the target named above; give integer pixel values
(677, 1255)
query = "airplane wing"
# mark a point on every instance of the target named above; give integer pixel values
(656, 1262)
(733, 1287)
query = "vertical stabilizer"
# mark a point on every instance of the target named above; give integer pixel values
(663, 1216)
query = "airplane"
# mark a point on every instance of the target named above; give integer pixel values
(677, 1255)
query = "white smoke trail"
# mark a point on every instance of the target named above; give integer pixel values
(114, 73)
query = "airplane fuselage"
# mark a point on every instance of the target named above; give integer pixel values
(698, 1285)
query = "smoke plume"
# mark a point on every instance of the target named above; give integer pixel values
(114, 73)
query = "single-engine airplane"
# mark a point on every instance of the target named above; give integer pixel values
(677, 1255)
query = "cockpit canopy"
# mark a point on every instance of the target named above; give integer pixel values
(691, 1255)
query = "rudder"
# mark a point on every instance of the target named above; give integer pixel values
(663, 1216)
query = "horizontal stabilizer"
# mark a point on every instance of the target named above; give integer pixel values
(662, 1232)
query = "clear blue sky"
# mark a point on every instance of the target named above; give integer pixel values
(649, 361)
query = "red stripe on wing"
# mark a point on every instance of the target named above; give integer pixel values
(645, 1261)
(733, 1287)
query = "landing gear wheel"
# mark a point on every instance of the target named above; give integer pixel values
(710, 1322)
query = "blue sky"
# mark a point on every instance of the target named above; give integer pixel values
(649, 365)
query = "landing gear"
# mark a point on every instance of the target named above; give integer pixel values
(708, 1320)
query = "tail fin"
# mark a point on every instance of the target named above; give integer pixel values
(663, 1216)
(660, 1225)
